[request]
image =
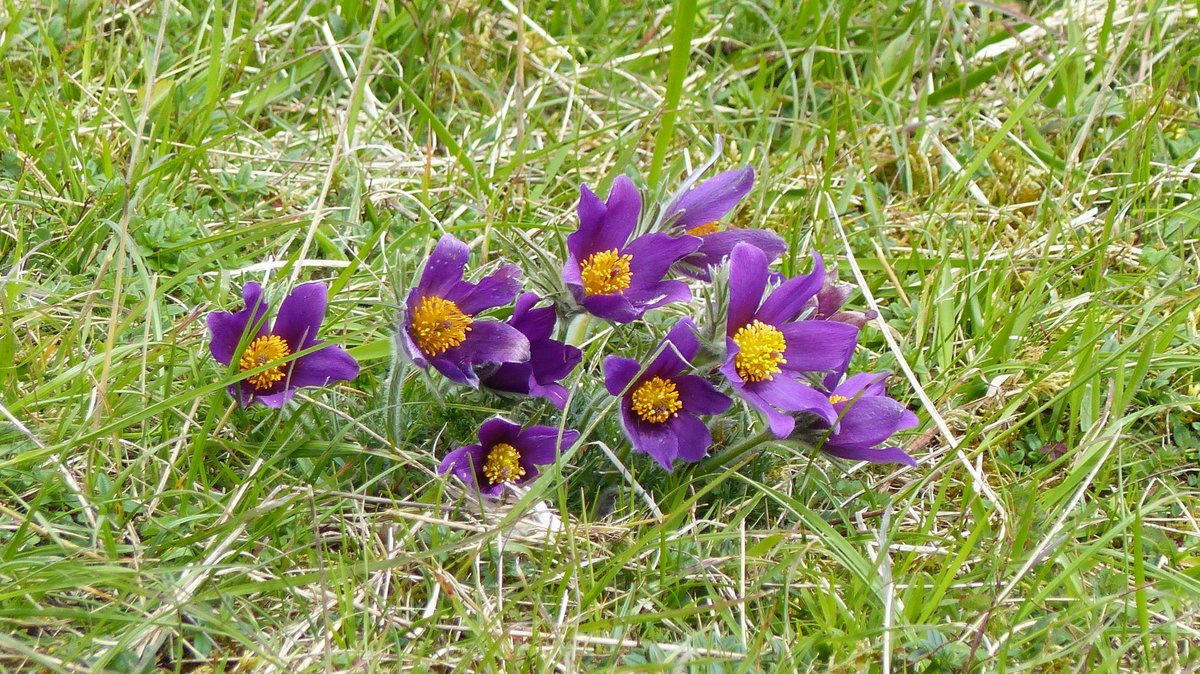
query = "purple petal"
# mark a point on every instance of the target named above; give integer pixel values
(539, 444)
(657, 440)
(552, 360)
(327, 364)
(832, 295)
(692, 437)
(619, 373)
(604, 226)
(497, 430)
(813, 346)
(653, 254)
(227, 328)
(700, 397)
(787, 301)
(870, 421)
(792, 396)
(536, 324)
(404, 338)
(444, 268)
(492, 342)
(275, 400)
(781, 424)
(300, 315)
(615, 308)
(719, 245)
(493, 291)
(667, 292)
(510, 377)
(466, 463)
(884, 455)
(676, 350)
(863, 385)
(712, 199)
(747, 279)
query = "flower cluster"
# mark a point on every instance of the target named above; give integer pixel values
(785, 349)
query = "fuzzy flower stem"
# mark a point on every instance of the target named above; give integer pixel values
(577, 331)
(731, 455)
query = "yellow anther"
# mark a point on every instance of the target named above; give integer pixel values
(261, 351)
(503, 464)
(439, 325)
(606, 272)
(656, 400)
(835, 399)
(707, 228)
(760, 351)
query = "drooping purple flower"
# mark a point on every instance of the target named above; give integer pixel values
(867, 417)
(440, 327)
(832, 297)
(660, 406)
(612, 276)
(698, 211)
(768, 351)
(549, 359)
(506, 454)
(294, 330)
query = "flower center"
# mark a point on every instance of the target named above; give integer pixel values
(835, 399)
(439, 325)
(261, 351)
(760, 351)
(503, 464)
(707, 228)
(657, 400)
(606, 272)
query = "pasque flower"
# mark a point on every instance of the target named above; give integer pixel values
(867, 417)
(698, 211)
(660, 406)
(609, 274)
(506, 454)
(831, 298)
(768, 350)
(549, 359)
(263, 343)
(440, 326)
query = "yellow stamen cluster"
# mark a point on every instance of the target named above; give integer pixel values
(606, 272)
(835, 399)
(760, 351)
(707, 228)
(438, 325)
(261, 351)
(503, 464)
(656, 400)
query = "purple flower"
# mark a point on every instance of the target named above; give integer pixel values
(659, 407)
(295, 330)
(768, 350)
(832, 296)
(867, 417)
(611, 276)
(506, 454)
(698, 211)
(549, 359)
(440, 324)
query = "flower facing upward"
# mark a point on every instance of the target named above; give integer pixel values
(506, 454)
(612, 276)
(659, 406)
(768, 350)
(440, 324)
(549, 359)
(867, 417)
(295, 330)
(699, 210)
